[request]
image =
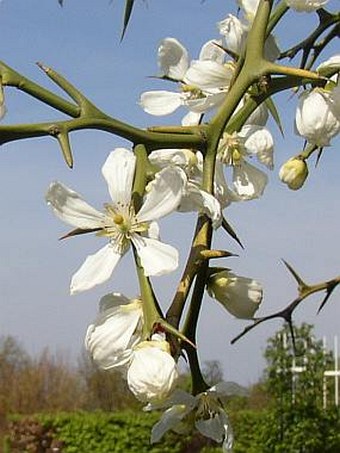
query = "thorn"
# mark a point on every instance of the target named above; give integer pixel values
(77, 232)
(301, 284)
(229, 229)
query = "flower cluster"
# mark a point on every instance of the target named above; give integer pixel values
(114, 340)
(133, 336)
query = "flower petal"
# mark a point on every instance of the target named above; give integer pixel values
(196, 199)
(96, 269)
(212, 427)
(118, 171)
(249, 181)
(212, 51)
(115, 331)
(170, 418)
(207, 74)
(156, 258)
(70, 207)
(173, 58)
(164, 196)
(160, 103)
(153, 372)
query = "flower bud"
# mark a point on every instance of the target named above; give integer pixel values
(294, 173)
(116, 330)
(315, 119)
(152, 373)
(241, 296)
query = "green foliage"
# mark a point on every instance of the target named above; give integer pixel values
(98, 432)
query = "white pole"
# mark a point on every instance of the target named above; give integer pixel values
(336, 370)
(324, 381)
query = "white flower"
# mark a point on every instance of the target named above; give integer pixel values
(307, 6)
(204, 411)
(248, 181)
(271, 49)
(115, 332)
(315, 119)
(193, 198)
(200, 81)
(233, 32)
(294, 173)
(120, 224)
(241, 296)
(152, 373)
(332, 62)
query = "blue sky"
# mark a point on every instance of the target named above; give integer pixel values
(81, 41)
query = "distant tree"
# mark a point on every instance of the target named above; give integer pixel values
(105, 390)
(297, 421)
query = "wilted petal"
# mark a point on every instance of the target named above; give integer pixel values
(169, 420)
(70, 207)
(156, 257)
(96, 269)
(118, 171)
(212, 427)
(249, 181)
(160, 103)
(164, 196)
(173, 58)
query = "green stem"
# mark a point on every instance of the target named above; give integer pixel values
(12, 78)
(151, 311)
(152, 140)
(280, 10)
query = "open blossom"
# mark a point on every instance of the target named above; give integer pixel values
(241, 296)
(203, 411)
(202, 83)
(294, 173)
(234, 149)
(119, 223)
(115, 332)
(306, 6)
(315, 118)
(152, 373)
(193, 198)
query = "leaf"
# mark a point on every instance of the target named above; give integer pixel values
(127, 15)
(274, 113)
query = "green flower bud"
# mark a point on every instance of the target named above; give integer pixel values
(294, 173)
